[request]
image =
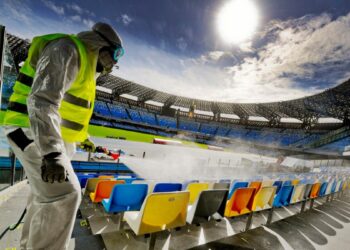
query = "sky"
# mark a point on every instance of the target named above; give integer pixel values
(298, 48)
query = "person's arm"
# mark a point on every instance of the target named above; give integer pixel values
(56, 69)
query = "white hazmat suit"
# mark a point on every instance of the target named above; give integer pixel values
(51, 207)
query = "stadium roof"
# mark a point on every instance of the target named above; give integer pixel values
(331, 103)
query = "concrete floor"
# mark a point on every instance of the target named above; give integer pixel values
(327, 226)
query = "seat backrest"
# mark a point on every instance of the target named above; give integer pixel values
(106, 177)
(208, 203)
(241, 184)
(338, 188)
(295, 181)
(323, 189)
(167, 187)
(315, 190)
(298, 193)
(91, 185)
(266, 183)
(263, 198)
(287, 183)
(239, 201)
(162, 211)
(255, 184)
(128, 197)
(278, 184)
(307, 192)
(195, 189)
(283, 197)
(221, 185)
(104, 188)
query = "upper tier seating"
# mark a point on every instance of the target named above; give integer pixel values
(134, 115)
(188, 125)
(209, 129)
(167, 122)
(222, 131)
(148, 118)
(101, 108)
(118, 111)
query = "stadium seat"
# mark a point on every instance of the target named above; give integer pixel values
(287, 183)
(278, 184)
(128, 197)
(208, 203)
(238, 203)
(323, 189)
(266, 183)
(315, 190)
(298, 193)
(221, 185)
(195, 189)
(334, 186)
(255, 184)
(338, 188)
(241, 184)
(263, 198)
(295, 181)
(103, 190)
(307, 192)
(167, 187)
(283, 197)
(150, 184)
(91, 185)
(106, 177)
(160, 211)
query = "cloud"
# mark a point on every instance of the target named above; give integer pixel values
(126, 19)
(288, 59)
(181, 43)
(88, 22)
(52, 6)
(79, 10)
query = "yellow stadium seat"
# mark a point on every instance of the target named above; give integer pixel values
(238, 203)
(298, 193)
(267, 183)
(195, 189)
(263, 198)
(256, 185)
(104, 189)
(159, 211)
(295, 181)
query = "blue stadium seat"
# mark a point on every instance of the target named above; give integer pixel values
(222, 131)
(167, 187)
(278, 184)
(125, 197)
(283, 197)
(323, 189)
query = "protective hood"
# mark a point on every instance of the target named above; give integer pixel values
(92, 40)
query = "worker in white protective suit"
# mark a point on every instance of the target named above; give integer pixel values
(48, 113)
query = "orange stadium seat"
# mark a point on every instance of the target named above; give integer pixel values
(315, 190)
(103, 190)
(238, 203)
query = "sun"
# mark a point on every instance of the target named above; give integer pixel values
(237, 20)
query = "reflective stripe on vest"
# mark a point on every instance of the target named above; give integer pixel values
(77, 105)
